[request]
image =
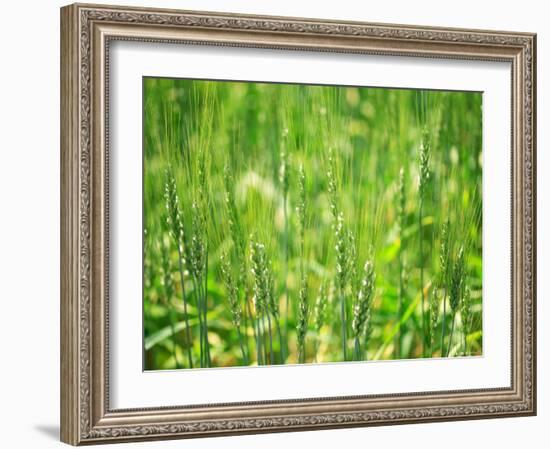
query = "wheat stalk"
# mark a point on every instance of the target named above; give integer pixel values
(340, 246)
(175, 225)
(235, 229)
(332, 185)
(166, 280)
(263, 292)
(302, 323)
(303, 309)
(256, 251)
(444, 276)
(273, 310)
(285, 186)
(341, 266)
(233, 298)
(199, 242)
(198, 267)
(466, 317)
(458, 283)
(423, 178)
(362, 307)
(239, 245)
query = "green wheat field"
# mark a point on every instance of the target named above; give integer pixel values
(292, 224)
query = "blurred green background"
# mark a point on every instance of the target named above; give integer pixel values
(205, 140)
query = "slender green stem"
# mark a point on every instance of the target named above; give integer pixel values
(281, 341)
(467, 348)
(264, 340)
(451, 335)
(250, 322)
(262, 347)
(443, 319)
(302, 354)
(271, 360)
(187, 327)
(203, 333)
(205, 311)
(357, 349)
(198, 285)
(240, 335)
(343, 318)
(465, 345)
(174, 342)
(302, 350)
(365, 352)
(199, 314)
(422, 279)
(399, 335)
(249, 313)
(258, 342)
(245, 325)
(285, 277)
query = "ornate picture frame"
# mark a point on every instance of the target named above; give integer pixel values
(87, 32)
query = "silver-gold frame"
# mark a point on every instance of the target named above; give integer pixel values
(86, 34)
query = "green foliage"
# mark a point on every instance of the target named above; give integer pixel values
(257, 197)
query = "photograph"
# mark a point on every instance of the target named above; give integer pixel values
(299, 223)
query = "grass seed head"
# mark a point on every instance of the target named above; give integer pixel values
(351, 272)
(332, 186)
(173, 210)
(444, 255)
(341, 252)
(424, 175)
(272, 302)
(231, 288)
(234, 223)
(202, 175)
(166, 270)
(321, 303)
(263, 280)
(363, 303)
(198, 245)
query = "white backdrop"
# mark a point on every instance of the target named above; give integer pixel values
(29, 225)
(132, 388)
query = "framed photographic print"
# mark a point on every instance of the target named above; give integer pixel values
(278, 224)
